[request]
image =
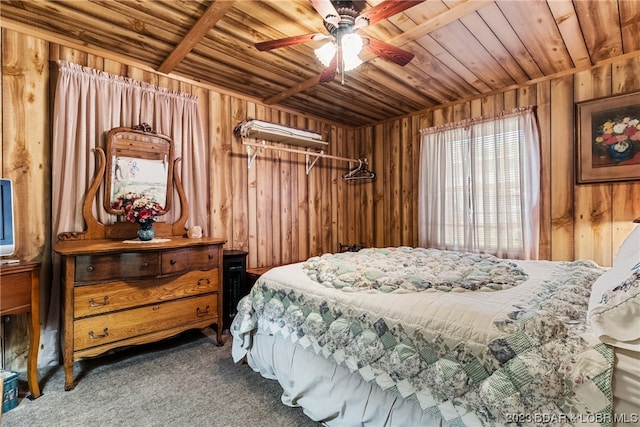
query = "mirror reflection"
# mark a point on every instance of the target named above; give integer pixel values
(139, 164)
(140, 176)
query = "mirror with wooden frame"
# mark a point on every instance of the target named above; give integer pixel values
(141, 163)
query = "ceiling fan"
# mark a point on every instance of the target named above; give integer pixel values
(342, 20)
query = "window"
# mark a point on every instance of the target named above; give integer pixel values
(479, 185)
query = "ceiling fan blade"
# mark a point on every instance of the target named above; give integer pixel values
(326, 9)
(387, 9)
(387, 51)
(329, 73)
(289, 41)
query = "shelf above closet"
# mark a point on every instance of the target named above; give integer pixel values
(314, 146)
(264, 131)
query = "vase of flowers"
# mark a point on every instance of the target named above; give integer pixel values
(146, 231)
(618, 137)
(141, 209)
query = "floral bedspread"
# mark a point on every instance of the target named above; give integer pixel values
(522, 356)
(413, 269)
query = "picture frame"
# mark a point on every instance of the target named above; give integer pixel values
(608, 139)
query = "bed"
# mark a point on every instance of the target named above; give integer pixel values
(421, 337)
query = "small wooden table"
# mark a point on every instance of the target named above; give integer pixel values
(19, 294)
(254, 274)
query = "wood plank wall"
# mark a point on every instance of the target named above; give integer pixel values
(278, 213)
(273, 210)
(578, 221)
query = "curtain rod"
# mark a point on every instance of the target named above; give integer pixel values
(317, 154)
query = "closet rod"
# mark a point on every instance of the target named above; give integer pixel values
(317, 154)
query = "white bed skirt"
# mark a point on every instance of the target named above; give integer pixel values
(330, 394)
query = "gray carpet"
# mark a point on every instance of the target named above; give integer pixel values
(184, 381)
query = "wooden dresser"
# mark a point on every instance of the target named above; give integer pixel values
(117, 293)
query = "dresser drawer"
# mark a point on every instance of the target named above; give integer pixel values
(123, 265)
(112, 327)
(89, 300)
(187, 259)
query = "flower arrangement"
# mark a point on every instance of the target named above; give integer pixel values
(613, 132)
(617, 138)
(138, 207)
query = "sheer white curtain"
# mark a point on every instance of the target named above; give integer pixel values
(87, 104)
(479, 185)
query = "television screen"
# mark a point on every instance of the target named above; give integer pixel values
(7, 241)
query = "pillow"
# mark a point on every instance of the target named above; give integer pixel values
(614, 304)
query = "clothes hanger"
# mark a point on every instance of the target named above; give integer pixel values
(361, 172)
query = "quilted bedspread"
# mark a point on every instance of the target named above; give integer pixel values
(413, 269)
(493, 342)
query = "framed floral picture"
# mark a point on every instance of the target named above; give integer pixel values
(608, 139)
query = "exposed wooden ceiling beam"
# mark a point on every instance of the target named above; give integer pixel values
(460, 10)
(300, 87)
(209, 18)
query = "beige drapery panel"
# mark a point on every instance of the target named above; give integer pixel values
(88, 103)
(470, 154)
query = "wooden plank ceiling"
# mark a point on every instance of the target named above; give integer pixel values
(462, 48)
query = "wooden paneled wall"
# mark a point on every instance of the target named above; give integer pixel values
(25, 158)
(578, 221)
(277, 212)
(273, 210)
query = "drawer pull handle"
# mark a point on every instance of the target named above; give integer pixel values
(145, 264)
(92, 303)
(90, 268)
(105, 334)
(202, 313)
(173, 262)
(206, 281)
(210, 256)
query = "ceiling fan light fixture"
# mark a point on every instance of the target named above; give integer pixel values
(351, 45)
(325, 53)
(351, 62)
(342, 20)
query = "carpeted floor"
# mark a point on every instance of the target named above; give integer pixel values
(184, 381)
